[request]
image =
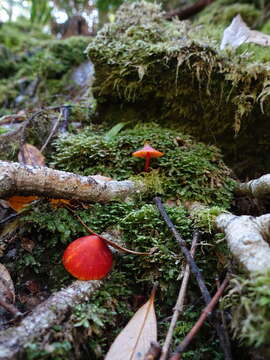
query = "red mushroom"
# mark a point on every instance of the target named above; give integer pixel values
(147, 152)
(88, 258)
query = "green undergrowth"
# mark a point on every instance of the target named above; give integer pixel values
(129, 284)
(188, 170)
(250, 301)
(49, 63)
(149, 69)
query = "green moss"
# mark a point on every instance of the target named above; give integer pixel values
(250, 302)
(188, 170)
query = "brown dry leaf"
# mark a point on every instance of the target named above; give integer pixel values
(7, 290)
(134, 340)
(30, 155)
(17, 203)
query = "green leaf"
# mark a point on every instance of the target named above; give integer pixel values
(114, 130)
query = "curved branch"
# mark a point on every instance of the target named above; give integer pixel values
(246, 237)
(258, 188)
(20, 179)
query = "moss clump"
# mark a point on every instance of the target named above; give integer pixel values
(250, 301)
(149, 70)
(188, 170)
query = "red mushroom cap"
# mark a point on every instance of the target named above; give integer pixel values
(147, 149)
(88, 258)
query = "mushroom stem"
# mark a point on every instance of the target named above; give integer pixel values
(147, 162)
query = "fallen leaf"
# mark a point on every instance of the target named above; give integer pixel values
(7, 290)
(134, 340)
(30, 155)
(238, 33)
(17, 203)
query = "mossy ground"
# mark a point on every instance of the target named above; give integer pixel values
(187, 171)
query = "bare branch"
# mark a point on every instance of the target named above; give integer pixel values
(20, 179)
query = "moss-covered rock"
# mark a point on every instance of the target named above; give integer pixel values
(149, 69)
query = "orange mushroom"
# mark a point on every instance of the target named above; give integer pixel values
(88, 258)
(147, 152)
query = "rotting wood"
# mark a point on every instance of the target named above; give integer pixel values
(19, 179)
(51, 312)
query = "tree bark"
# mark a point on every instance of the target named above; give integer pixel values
(51, 312)
(20, 179)
(187, 12)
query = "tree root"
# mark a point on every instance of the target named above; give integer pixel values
(51, 312)
(19, 179)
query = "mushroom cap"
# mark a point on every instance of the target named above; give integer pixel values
(147, 149)
(88, 258)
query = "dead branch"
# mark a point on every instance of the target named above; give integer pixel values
(20, 179)
(179, 306)
(246, 237)
(205, 313)
(187, 12)
(51, 312)
(258, 188)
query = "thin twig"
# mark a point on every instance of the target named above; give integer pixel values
(52, 131)
(109, 242)
(179, 306)
(193, 266)
(225, 345)
(205, 313)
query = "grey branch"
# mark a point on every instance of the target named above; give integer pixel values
(20, 179)
(51, 312)
(247, 238)
(258, 188)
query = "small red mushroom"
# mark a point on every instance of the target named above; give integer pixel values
(147, 152)
(88, 258)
